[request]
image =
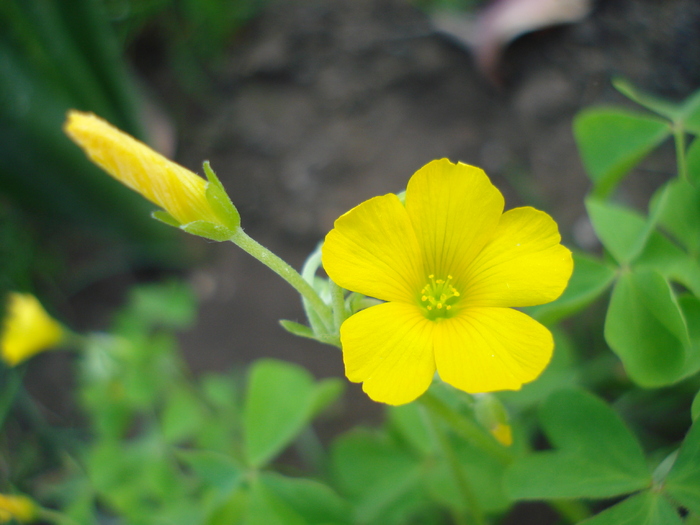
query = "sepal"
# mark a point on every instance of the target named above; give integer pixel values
(219, 200)
(208, 230)
(297, 329)
(165, 218)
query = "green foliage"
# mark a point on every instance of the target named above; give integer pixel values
(613, 141)
(646, 327)
(281, 400)
(583, 465)
(646, 508)
(167, 449)
(683, 481)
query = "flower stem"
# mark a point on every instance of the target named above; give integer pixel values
(679, 139)
(10, 391)
(308, 273)
(466, 428)
(338, 302)
(463, 484)
(289, 274)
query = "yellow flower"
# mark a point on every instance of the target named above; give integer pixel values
(451, 265)
(184, 195)
(19, 508)
(27, 329)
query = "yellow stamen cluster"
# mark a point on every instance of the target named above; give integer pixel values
(438, 296)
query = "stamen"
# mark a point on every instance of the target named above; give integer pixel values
(438, 297)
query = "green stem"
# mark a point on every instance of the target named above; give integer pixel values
(11, 388)
(289, 274)
(467, 428)
(460, 479)
(308, 273)
(338, 302)
(679, 139)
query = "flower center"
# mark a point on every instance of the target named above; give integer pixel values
(438, 297)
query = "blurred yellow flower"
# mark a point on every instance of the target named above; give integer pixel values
(503, 433)
(181, 193)
(19, 508)
(27, 329)
(451, 265)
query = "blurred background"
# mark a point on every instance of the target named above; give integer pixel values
(304, 108)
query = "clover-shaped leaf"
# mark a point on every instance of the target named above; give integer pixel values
(683, 481)
(646, 508)
(281, 399)
(646, 328)
(595, 455)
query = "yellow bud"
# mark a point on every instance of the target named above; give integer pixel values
(27, 329)
(19, 508)
(503, 433)
(175, 189)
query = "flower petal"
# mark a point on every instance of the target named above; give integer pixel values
(27, 329)
(175, 189)
(523, 265)
(490, 349)
(454, 210)
(389, 347)
(372, 250)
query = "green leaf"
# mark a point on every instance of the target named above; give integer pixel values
(695, 408)
(690, 306)
(317, 503)
(208, 230)
(213, 468)
(326, 392)
(665, 108)
(692, 159)
(613, 141)
(691, 113)
(183, 416)
(483, 473)
(219, 200)
(265, 508)
(279, 403)
(408, 422)
(591, 278)
(170, 303)
(661, 255)
(381, 479)
(646, 328)
(595, 455)
(622, 231)
(683, 481)
(679, 213)
(645, 508)
(232, 510)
